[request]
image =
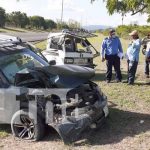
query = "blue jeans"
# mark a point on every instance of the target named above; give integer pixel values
(132, 68)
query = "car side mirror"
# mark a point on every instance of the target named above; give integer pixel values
(52, 62)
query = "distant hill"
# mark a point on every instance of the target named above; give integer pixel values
(95, 27)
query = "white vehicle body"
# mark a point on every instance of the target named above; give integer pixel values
(70, 47)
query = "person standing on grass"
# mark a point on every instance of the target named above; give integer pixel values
(133, 56)
(146, 52)
(110, 49)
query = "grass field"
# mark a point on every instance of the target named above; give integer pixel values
(128, 125)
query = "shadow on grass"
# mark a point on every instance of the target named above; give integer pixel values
(119, 125)
(102, 76)
(5, 129)
(142, 83)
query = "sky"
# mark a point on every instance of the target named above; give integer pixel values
(80, 10)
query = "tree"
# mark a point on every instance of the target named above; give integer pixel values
(62, 25)
(50, 24)
(127, 6)
(17, 19)
(73, 24)
(2, 17)
(37, 22)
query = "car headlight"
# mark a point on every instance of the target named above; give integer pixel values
(69, 60)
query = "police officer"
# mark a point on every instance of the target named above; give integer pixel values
(110, 49)
(146, 48)
(133, 56)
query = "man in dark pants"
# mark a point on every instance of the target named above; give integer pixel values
(132, 68)
(111, 51)
(133, 56)
(147, 62)
(146, 51)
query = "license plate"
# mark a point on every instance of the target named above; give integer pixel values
(80, 61)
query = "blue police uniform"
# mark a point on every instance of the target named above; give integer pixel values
(111, 46)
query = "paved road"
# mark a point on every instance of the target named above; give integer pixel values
(30, 36)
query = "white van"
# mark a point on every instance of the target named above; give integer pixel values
(71, 47)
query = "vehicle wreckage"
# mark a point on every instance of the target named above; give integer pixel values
(23, 70)
(71, 46)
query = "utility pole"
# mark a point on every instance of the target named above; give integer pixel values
(62, 10)
(123, 15)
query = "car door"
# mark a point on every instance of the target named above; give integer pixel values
(2, 99)
(8, 103)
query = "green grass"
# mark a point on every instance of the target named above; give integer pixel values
(4, 131)
(41, 45)
(126, 97)
(8, 30)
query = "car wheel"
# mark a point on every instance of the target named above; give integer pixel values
(25, 127)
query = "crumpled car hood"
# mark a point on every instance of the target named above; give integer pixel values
(63, 76)
(69, 76)
(71, 70)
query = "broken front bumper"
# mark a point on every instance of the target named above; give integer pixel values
(71, 127)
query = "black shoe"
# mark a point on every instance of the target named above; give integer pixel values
(107, 81)
(147, 76)
(130, 83)
(125, 81)
(117, 81)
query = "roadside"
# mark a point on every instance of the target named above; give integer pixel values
(24, 34)
(13, 29)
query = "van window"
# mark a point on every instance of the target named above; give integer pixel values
(70, 45)
(81, 45)
(55, 44)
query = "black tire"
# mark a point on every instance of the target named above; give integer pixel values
(24, 126)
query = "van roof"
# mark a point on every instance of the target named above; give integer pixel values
(79, 33)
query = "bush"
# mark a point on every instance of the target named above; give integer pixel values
(123, 31)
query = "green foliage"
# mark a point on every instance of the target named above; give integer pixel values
(123, 31)
(37, 22)
(62, 25)
(50, 24)
(17, 19)
(66, 25)
(127, 6)
(73, 24)
(105, 32)
(2, 17)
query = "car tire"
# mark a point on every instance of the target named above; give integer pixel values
(24, 127)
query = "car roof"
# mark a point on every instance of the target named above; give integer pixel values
(79, 33)
(9, 44)
(11, 49)
(8, 39)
